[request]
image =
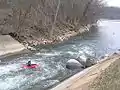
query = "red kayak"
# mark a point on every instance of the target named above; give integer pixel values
(30, 67)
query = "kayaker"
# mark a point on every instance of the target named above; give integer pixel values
(29, 63)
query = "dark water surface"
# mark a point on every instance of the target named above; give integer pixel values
(52, 59)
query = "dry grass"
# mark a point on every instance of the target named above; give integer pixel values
(109, 79)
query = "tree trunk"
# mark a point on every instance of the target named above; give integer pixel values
(55, 17)
(86, 9)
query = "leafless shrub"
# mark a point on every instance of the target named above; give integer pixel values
(46, 18)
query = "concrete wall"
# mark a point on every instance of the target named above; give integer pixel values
(8, 45)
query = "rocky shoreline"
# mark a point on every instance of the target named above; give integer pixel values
(83, 79)
(29, 44)
(24, 47)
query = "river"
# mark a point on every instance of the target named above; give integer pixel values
(52, 59)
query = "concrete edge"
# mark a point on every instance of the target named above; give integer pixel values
(78, 79)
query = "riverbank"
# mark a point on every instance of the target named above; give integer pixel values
(57, 39)
(83, 80)
(36, 34)
(10, 46)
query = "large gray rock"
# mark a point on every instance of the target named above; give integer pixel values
(87, 62)
(105, 56)
(90, 62)
(73, 64)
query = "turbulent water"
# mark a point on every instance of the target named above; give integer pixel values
(52, 59)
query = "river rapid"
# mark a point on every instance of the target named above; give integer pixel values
(52, 59)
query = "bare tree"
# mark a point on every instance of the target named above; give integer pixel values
(51, 18)
(55, 17)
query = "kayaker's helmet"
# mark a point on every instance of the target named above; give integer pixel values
(29, 63)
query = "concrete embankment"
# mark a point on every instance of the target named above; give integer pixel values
(9, 46)
(82, 80)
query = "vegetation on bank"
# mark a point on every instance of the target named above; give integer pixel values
(48, 20)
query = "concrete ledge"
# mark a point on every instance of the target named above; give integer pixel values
(9, 46)
(82, 80)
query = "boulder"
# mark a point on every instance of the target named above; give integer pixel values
(90, 62)
(87, 62)
(73, 64)
(105, 56)
(31, 48)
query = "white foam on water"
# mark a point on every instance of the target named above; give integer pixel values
(7, 68)
(71, 53)
(49, 72)
(50, 83)
(12, 82)
(83, 57)
(74, 47)
(48, 54)
(33, 61)
(88, 50)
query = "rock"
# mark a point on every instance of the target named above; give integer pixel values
(90, 62)
(73, 64)
(115, 53)
(31, 48)
(28, 47)
(87, 62)
(83, 62)
(106, 55)
(102, 57)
